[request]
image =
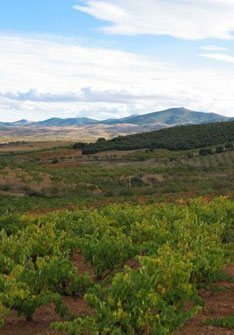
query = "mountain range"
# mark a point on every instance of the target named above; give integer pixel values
(169, 117)
(86, 129)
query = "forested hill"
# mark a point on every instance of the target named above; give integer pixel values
(175, 138)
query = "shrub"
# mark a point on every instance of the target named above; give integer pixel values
(205, 152)
(190, 155)
(228, 146)
(219, 149)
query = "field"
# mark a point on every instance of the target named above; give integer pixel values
(117, 242)
(69, 133)
(61, 177)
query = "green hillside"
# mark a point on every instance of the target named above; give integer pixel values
(175, 138)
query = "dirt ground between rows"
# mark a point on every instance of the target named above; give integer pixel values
(217, 304)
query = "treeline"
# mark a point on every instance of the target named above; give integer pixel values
(4, 144)
(175, 138)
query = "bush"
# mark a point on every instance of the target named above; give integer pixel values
(228, 146)
(101, 140)
(78, 145)
(136, 181)
(205, 152)
(190, 155)
(219, 149)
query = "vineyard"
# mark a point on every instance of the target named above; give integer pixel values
(61, 178)
(117, 198)
(149, 261)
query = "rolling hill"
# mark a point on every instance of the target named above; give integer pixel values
(58, 122)
(184, 137)
(86, 129)
(169, 117)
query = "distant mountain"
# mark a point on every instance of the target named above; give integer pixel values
(15, 124)
(166, 118)
(171, 117)
(2, 126)
(22, 123)
(58, 122)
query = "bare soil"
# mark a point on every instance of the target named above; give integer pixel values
(218, 303)
(82, 266)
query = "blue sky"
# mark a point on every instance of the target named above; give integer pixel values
(111, 58)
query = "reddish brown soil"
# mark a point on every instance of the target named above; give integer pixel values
(39, 326)
(63, 165)
(44, 316)
(218, 302)
(133, 263)
(82, 266)
(59, 154)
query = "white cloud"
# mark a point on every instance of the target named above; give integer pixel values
(47, 65)
(212, 48)
(86, 94)
(220, 57)
(43, 77)
(186, 19)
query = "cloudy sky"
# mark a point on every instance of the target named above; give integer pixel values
(112, 58)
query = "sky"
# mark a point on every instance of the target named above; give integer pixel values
(113, 58)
